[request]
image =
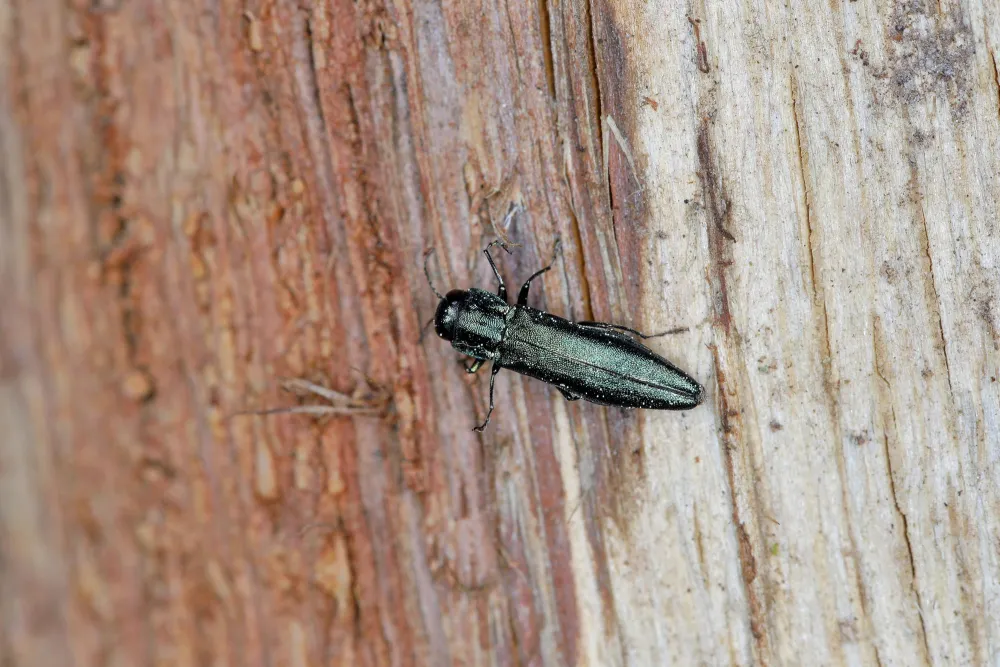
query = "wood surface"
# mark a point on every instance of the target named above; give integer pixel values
(199, 199)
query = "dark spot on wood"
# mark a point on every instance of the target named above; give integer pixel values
(931, 53)
(700, 49)
(717, 207)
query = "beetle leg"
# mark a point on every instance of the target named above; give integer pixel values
(569, 396)
(618, 327)
(502, 288)
(493, 375)
(474, 367)
(522, 296)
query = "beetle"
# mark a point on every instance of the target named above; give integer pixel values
(595, 361)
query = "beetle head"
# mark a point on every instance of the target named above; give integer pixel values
(447, 313)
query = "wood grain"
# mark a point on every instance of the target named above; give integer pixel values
(198, 199)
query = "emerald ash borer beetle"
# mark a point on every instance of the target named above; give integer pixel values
(595, 361)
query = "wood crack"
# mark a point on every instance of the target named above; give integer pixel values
(878, 351)
(581, 262)
(513, 42)
(310, 46)
(906, 538)
(315, 122)
(803, 161)
(596, 82)
(822, 315)
(996, 76)
(942, 341)
(717, 211)
(545, 28)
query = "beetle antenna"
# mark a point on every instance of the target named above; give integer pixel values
(500, 242)
(427, 273)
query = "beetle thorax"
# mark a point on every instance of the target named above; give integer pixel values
(474, 322)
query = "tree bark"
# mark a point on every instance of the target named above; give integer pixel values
(198, 199)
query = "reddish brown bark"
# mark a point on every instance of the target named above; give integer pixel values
(207, 197)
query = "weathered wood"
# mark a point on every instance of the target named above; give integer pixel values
(198, 199)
